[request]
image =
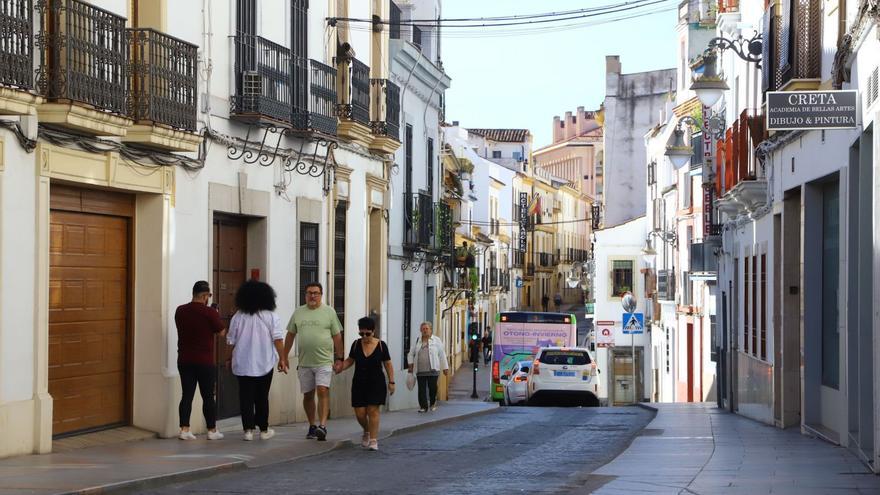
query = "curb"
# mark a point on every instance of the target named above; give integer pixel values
(646, 406)
(206, 472)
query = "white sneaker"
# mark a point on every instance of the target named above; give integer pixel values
(434, 407)
(248, 435)
(265, 435)
(215, 435)
(365, 440)
(186, 435)
(374, 445)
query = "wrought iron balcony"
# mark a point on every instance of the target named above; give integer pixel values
(163, 79)
(83, 55)
(444, 234)
(263, 80)
(17, 43)
(418, 222)
(358, 106)
(321, 114)
(387, 120)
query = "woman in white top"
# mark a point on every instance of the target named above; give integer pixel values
(427, 358)
(257, 337)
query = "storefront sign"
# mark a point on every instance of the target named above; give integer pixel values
(523, 220)
(707, 173)
(804, 110)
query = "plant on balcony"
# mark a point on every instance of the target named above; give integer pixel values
(465, 256)
(465, 168)
(474, 279)
(623, 289)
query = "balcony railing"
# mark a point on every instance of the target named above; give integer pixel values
(418, 225)
(84, 57)
(262, 80)
(358, 106)
(735, 153)
(320, 116)
(17, 43)
(444, 232)
(163, 79)
(386, 108)
(392, 110)
(518, 259)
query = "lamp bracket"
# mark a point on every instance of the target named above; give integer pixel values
(749, 49)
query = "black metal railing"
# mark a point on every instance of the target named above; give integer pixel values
(358, 108)
(418, 224)
(262, 79)
(321, 114)
(444, 233)
(83, 55)
(163, 79)
(545, 259)
(392, 110)
(493, 277)
(518, 259)
(386, 108)
(17, 43)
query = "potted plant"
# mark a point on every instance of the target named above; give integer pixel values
(465, 256)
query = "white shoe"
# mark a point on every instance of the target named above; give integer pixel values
(215, 435)
(374, 445)
(365, 440)
(265, 435)
(186, 435)
(248, 435)
(434, 407)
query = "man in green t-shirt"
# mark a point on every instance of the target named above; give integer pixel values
(319, 351)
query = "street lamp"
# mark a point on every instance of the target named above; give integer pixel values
(677, 150)
(709, 86)
(648, 252)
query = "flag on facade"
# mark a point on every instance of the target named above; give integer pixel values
(535, 207)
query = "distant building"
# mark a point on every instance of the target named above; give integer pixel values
(632, 105)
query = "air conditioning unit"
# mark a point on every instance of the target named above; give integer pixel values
(252, 84)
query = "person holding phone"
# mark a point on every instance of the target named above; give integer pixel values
(197, 324)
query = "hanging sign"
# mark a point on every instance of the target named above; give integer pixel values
(805, 110)
(523, 220)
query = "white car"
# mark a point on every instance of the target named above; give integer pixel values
(564, 373)
(515, 383)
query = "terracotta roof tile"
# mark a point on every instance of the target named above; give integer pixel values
(502, 135)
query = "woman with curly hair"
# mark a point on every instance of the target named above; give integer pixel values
(257, 337)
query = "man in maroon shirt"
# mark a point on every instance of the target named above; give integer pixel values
(196, 326)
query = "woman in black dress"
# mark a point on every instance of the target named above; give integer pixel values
(369, 355)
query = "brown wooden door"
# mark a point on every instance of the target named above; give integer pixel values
(230, 242)
(88, 320)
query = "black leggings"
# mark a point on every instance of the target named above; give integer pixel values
(427, 390)
(204, 375)
(253, 397)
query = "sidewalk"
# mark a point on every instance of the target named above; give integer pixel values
(700, 449)
(149, 462)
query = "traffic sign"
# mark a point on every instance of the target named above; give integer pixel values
(605, 333)
(519, 281)
(633, 323)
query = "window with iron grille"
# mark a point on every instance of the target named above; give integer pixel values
(394, 21)
(308, 257)
(621, 277)
(339, 260)
(407, 317)
(430, 179)
(246, 19)
(417, 37)
(408, 159)
(299, 52)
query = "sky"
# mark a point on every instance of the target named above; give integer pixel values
(523, 80)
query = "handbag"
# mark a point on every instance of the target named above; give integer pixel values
(410, 380)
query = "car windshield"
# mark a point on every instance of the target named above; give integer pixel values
(571, 358)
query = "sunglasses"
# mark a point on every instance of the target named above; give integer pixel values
(364, 333)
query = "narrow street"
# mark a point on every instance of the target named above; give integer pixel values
(532, 450)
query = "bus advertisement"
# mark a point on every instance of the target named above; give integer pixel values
(519, 335)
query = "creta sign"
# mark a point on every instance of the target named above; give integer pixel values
(805, 110)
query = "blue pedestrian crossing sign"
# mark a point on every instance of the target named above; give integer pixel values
(633, 323)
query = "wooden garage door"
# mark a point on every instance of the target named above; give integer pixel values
(88, 320)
